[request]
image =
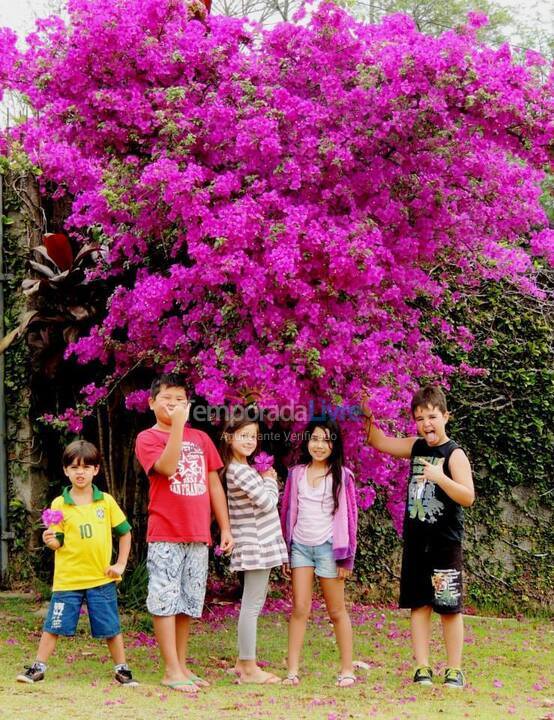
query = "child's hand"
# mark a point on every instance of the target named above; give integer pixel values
(285, 569)
(50, 540)
(115, 571)
(179, 412)
(433, 473)
(226, 542)
(343, 573)
(364, 404)
(271, 473)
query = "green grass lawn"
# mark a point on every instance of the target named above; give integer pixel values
(508, 663)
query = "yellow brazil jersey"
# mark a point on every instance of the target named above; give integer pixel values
(86, 533)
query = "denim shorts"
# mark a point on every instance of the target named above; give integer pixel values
(177, 576)
(65, 608)
(319, 557)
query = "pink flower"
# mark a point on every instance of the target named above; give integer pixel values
(218, 552)
(137, 400)
(477, 19)
(51, 517)
(263, 462)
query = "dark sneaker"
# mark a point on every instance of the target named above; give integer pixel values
(454, 678)
(125, 677)
(33, 673)
(423, 676)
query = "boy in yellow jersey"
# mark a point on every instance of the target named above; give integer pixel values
(82, 541)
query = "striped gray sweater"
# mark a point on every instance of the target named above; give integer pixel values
(255, 523)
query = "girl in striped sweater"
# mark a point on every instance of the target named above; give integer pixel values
(256, 529)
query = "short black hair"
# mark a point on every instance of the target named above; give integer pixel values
(169, 380)
(430, 395)
(81, 450)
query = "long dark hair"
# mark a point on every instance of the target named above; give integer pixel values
(335, 459)
(246, 416)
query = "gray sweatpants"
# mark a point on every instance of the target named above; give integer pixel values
(253, 599)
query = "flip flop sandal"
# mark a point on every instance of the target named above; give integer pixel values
(177, 684)
(291, 679)
(198, 681)
(344, 681)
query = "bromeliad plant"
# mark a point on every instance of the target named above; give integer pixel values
(276, 206)
(65, 303)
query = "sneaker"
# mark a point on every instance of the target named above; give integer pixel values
(33, 673)
(125, 677)
(423, 675)
(454, 678)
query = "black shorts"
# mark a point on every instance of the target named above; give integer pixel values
(432, 575)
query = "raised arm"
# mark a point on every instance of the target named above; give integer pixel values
(397, 447)
(167, 463)
(263, 495)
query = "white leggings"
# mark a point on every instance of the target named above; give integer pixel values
(253, 599)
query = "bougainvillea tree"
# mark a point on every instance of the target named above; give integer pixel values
(278, 206)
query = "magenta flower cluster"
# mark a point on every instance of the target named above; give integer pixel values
(263, 462)
(51, 517)
(280, 204)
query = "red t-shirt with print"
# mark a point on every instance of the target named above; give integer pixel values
(179, 506)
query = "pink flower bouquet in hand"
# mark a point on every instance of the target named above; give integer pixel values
(263, 462)
(51, 517)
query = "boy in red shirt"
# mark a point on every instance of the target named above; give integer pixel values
(181, 464)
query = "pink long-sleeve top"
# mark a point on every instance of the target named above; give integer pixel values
(345, 520)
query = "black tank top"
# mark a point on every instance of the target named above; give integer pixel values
(430, 513)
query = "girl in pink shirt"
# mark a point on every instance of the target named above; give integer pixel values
(319, 518)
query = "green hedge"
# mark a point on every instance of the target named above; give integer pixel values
(504, 421)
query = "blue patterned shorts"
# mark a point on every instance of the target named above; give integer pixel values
(177, 575)
(65, 607)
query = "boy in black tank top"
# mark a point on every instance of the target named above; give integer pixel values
(440, 486)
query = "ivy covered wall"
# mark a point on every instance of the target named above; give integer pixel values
(22, 230)
(504, 420)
